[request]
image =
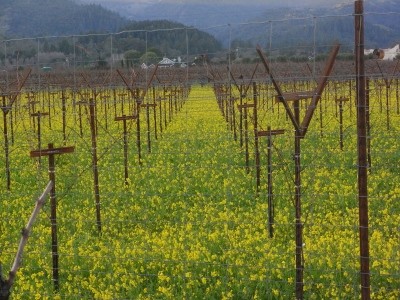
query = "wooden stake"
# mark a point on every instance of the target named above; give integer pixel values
(38, 115)
(124, 119)
(340, 103)
(245, 106)
(50, 152)
(148, 106)
(362, 150)
(93, 135)
(271, 206)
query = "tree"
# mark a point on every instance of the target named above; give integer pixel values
(65, 47)
(149, 58)
(131, 57)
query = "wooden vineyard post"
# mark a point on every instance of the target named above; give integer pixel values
(124, 119)
(6, 143)
(379, 88)
(160, 99)
(256, 144)
(271, 211)
(31, 106)
(64, 114)
(80, 103)
(6, 108)
(93, 135)
(218, 91)
(122, 101)
(148, 106)
(388, 83)
(245, 106)
(173, 103)
(105, 99)
(321, 123)
(170, 106)
(350, 97)
(242, 94)
(39, 115)
(225, 98)
(233, 116)
(155, 113)
(397, 97)
(175, 94)
(241, 116)
(51, 152)
(114, 92)
(362, 150)
(135, 93)
(138, 137)
(297, 204)
(300, 132)
(164, 98)
(369, 159)
(51, 105)
(340, 103)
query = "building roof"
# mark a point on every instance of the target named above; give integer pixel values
(166, 62)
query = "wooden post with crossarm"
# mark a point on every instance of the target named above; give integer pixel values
(51, 152)
(301, 129)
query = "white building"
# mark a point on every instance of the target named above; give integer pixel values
(385, 54)
(166, 62)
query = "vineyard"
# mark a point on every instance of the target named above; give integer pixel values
(203, 182)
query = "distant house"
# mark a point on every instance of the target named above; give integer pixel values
(143, 66)
(166, 63)
(385, 54)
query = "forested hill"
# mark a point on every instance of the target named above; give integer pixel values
(174, 42)
(44, 18)
(32, 18)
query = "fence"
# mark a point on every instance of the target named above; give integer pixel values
(189, 181)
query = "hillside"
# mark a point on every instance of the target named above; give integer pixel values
(49, 19)
(381, 20)
(299, 29)
(32, 18)
(174, 42)
(35, 18)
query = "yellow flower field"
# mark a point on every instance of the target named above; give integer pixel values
(190, 224)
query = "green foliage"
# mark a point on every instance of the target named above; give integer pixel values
(173, 42)
(149, 58)
(57, 17)
(65, 47)
(131, 57)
